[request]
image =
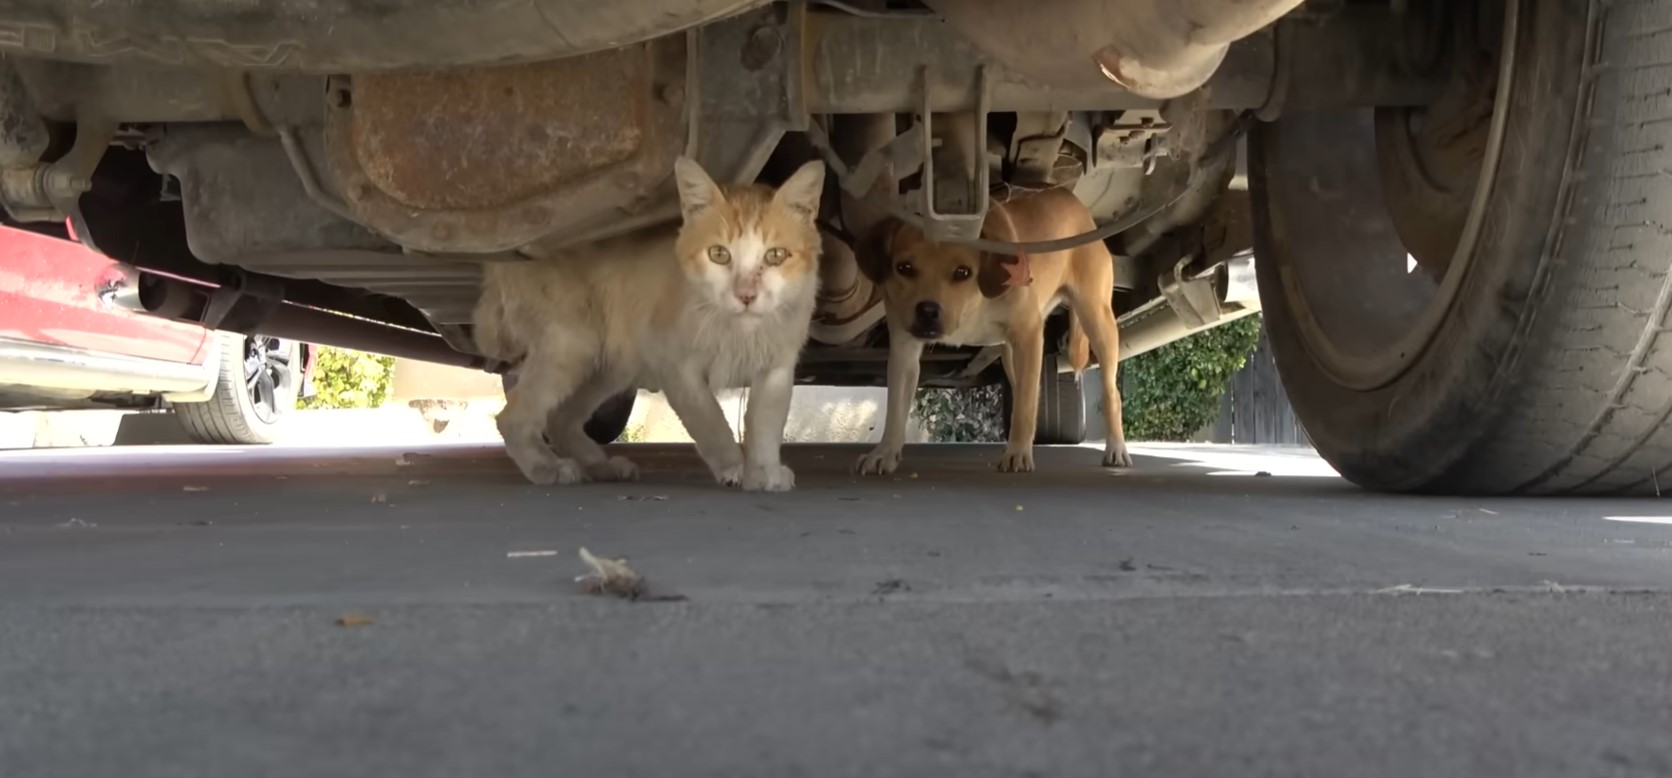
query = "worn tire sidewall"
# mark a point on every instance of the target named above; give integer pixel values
(1411, 434)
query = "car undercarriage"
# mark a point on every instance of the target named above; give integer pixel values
(300, 175)
(339, 172)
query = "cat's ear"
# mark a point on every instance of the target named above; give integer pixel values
(801, 193)
(697, 192)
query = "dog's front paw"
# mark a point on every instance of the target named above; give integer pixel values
(881, 461)
(1116, 456)
(1017, 461)
(614, 469)
(768, 478)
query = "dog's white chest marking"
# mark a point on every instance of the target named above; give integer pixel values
(988, 329)
(991, 327)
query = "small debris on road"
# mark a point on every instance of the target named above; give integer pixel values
(1128, 565)
(519, 554)
(380, 498)
(353, 620)
(198, 523)
(890, 586)
(1263, 474)
(1410, 589)
(75, 523)
(1018, 507)
(418, 482)
(643, 497)
(610, 576)
(410, 458)
(194, 488)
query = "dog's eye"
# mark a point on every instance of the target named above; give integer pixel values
(719, 255)
(776, 256)
(905, 269)
(961, 274)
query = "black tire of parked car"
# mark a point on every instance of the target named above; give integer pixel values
(257, 387)
(608, 422)
(1062, 407)
(1539, 360)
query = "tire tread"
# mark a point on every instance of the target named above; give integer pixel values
(1603, 388)
(222, 419)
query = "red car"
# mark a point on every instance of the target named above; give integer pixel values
(70, 338)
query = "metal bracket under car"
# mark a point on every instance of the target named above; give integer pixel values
(1195, 300)
(952, 202)
(1169, 317)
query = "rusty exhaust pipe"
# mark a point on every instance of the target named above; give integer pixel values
(259, 309)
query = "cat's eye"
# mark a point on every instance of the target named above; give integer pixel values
(776, 256)
(905, 269)
(719, 255)
(961, 274)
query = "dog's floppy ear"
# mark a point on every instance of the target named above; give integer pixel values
(996, 274)
(875, 252)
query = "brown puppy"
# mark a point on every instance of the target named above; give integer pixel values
(951, 293)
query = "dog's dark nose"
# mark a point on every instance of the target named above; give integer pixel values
(928, 312)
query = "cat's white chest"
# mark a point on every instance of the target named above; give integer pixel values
(746, 351)
(726, 352)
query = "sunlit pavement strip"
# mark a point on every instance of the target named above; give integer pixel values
(1231, 460)
(1641, 519)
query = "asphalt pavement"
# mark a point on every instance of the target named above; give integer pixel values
(186, 611)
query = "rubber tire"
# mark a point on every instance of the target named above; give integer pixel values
(228, 417)
(608, 422)
(1552, 372)
(1062, 407)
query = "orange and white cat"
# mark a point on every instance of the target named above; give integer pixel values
(722, 301)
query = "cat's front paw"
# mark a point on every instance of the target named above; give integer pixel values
(882, 460)
(768, 478)
(614, 469)
(730, 475)
(555, 470)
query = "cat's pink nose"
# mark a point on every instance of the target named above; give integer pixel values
(747, 296)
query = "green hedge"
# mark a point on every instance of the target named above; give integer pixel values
(961, 415)
(1167, 394)
(350, 379)
(1171, 393)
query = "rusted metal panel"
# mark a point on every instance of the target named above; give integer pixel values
(491, 159)
(488, 138)
(340, 36)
